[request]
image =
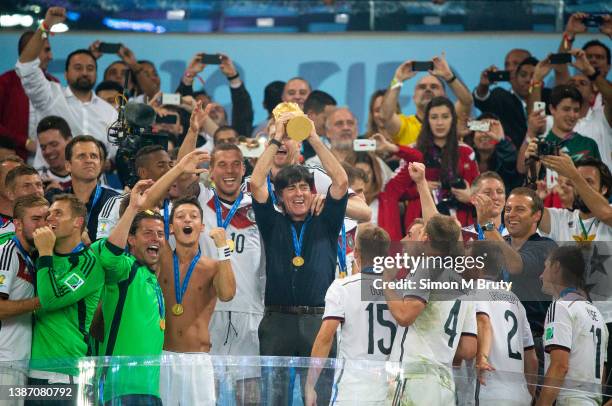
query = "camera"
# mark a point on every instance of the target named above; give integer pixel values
(547, 148)
(447, 200)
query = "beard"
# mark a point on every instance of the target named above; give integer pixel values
(82, 85)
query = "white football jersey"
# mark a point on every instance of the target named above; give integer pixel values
(434, 336)
(248, 258)
(109, 216)
(367, 332)
(574, 324)
(7, 227)
(511, 337)
(16, 281)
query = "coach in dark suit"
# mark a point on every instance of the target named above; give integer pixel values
(509, 105)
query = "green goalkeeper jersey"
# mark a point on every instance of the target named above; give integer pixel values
(69, 288)
(134, 323)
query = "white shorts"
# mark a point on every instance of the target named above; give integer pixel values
(187, 379)
(12, 377)
(577, 401)
(357, 386)
(423, 389)
(236, 334)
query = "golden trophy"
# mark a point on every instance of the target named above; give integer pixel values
(298, 128)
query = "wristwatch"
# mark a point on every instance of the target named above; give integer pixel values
(489, 226)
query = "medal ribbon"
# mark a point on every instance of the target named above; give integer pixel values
(270, 191)
(567, 291)
(97, 195)
(342, 252)
(297, 242)
(24, 254)
(160, 302)
(166, 219)
(585, 232)
(78, 248)
(230, 215)
(178, 294)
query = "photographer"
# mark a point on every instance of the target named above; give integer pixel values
(594, 120)
(405, 129)
(509, 106)
(565, 104)
(242, 106)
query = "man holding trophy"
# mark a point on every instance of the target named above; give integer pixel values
(300, 247)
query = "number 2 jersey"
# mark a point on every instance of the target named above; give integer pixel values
(511, 336)
(575, 325)
(248, 259)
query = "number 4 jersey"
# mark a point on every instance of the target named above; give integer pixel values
(574, 324)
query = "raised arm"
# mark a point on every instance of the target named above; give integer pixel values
(224, 280)
(389, 104)
(575, 26)
(330, 163)
(582, 64)
(464, 97)
(259, 186)
(55, 15)
(196, 123)
(146, 83)
(596, 202)
(187, 166)
(138, 196)
(428, 207)
(540, 72)
(242, 106)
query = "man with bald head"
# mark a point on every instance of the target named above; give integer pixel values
(406, 129)
(296, 90)
(513, 58)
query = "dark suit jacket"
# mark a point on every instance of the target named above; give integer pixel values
(509, 108)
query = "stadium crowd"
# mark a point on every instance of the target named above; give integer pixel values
(205, 236)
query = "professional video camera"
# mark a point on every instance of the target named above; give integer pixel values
(130, 132)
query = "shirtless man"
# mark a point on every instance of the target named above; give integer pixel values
(190, 293)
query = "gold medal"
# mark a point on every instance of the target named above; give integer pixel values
(231, 245)
(177, 309)
(162, 324)
(298, 261)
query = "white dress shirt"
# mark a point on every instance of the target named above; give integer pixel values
(49, 98)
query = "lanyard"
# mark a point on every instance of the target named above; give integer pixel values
(230, 215)
(24, 254)
(160, 302)
(297, 242)
(567, 291)
(585, 232)
(78, 248)
(270, 191)
(166, 219)
(481, 237)
(178, 294)
(342, 252)
(97, 195)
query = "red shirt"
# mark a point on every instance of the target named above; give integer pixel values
(15, 110)
(401, 187)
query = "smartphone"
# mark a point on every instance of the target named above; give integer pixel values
(364, 145)
(210, 59)
(422, 66)
(560, 59)
(498, 76)
(593, 20)
(477, 125)
(171, 98)
(540, 106)
(109, 48)
(169, 119)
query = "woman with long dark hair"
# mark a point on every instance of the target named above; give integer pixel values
(450, 167)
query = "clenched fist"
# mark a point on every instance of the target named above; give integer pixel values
(218, 236)
(44, 240)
